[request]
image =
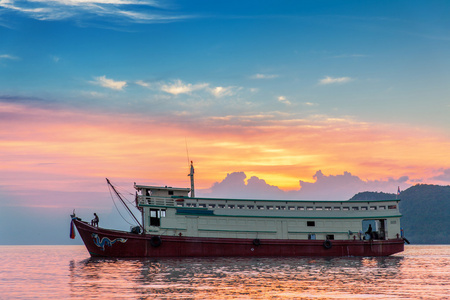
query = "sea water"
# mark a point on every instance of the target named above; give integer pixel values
(67, 272)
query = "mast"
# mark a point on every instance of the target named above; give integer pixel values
(123, 202)
(191, 174)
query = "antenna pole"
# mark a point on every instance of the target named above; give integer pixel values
(191, 174)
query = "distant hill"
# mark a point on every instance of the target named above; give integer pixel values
(425, 209)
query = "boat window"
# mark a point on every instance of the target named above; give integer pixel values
(202, 205)
(311, 236)
(231, 206)
(319, 208)
(156, 215)
(260, 206)
(280, 207)
(170, 193)
(310, 223)
(355, 208)
(291, 207)
(180, 203)
(346, 208)
(392, 207)
(327, 207)
(337, 208)
(300, 208)
(363, 207)
(309, 208)
(373, 208)
(269, 207)
(250, 206)
(241, 206)
(330, 236)
(221, 205)
(211, 205)
(382, 207)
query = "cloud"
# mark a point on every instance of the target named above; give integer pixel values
(143, 83)
(55, 58)
(234, 185)
(179, 87)
(7, 56)
(264, 76)
(283, 99)
(221, 91)
(133, 11)
(332, 187)
(350, 56)
(109, 83)
(333, 80)
(445, 176)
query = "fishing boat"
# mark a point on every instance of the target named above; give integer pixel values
(176, 223)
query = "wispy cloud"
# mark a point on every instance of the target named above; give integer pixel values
(264, 76)
(179, 87)
(220, 91)
(55, 58)
(109, 83)
(350, 56)
(333, 80)
(283, 99)
(143, 83)
(145, 11)
(7, 56)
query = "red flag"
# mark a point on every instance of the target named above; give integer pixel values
(72, 230)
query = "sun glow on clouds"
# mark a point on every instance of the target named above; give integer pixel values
(70, 150)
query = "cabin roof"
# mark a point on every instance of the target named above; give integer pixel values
(161, 188)
(291, 200)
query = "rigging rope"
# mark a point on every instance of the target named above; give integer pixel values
(124, 191)
(112, 197)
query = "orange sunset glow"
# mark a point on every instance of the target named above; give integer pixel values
(49, 149)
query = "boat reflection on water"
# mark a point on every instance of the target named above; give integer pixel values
(229, 278)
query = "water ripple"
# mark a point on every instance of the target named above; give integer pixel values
(66, 272)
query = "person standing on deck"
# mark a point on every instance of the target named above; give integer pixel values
(369, 231)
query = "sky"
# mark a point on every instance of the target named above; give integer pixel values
(270, 99)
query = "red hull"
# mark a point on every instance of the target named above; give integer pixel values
(110, 243)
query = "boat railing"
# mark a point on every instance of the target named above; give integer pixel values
(158, 201)
(361, 207)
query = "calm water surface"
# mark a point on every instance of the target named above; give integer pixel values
(62, 272)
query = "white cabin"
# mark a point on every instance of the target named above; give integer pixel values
(170, 211)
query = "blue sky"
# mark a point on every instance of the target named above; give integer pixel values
(392, 57)
(316, 99)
